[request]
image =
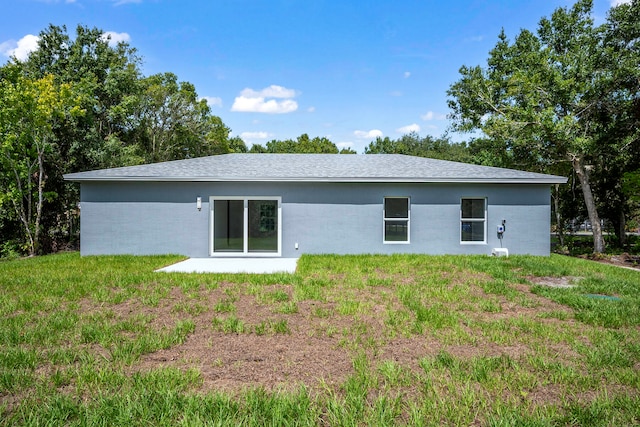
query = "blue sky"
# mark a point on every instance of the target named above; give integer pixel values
(273, 69)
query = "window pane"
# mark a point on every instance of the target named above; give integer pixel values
(396, 231)
(263, 226)
(396, 207)
(473, 231)
(228, 225)
(473, 208)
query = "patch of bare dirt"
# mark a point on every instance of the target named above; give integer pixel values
(536, 307)
(308, 354)
(320, 344)
(555, 282)
(231, 362)
(625, 260)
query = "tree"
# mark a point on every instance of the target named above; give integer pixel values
(617, 113)
(631, 187)
(171, 123)
(106, 80)
(126, 119)
(539, 96)
(302, 144)
(237, 145)
(29, 111)
(412, 144)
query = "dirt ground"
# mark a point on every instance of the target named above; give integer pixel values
(622, 260)
(318, 350)
(313, 353)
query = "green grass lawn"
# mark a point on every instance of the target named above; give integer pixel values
(442, 340)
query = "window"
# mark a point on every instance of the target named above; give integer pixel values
(396, 220)
(473, 220)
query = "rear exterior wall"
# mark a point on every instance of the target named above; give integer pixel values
(144, 218)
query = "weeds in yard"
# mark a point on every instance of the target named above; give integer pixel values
(229, 325)
(227, 305)
(192, 309)
(289, 307)
(467, 340)
(276, 296)
(272, 327)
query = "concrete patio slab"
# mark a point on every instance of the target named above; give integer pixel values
(233, 265)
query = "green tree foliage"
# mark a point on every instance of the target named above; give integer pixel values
(541, 97)
(237, 145)
(171, 123)
(82, 103)
(29, 110)
(617, 115)
(412, 144)
(302, 144)
(631, 187)
(105, 82)
(106, 79)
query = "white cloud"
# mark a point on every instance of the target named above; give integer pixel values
(427, 116)
(373, 133)
(213, 101)
(396, 93)
(273, 91)
(407, 74)
(6, 46)
(259, 105)
(311, 109)
(20, 49)
(409, 128)
(474, 38)
(121, 2)
(252, 101)
(344, 145)
(254, 135)
(430, 115)
(114, 38)
(615, 3)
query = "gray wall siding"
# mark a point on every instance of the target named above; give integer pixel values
(142, 228)
(154, 218)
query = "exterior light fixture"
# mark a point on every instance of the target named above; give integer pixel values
(199, 203)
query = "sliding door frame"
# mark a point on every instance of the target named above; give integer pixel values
(245, 220)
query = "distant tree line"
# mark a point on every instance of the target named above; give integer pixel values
(302, 144)
(564, 100)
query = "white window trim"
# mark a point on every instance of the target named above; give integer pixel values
(385, 219)
(245, 251)
(484, 220)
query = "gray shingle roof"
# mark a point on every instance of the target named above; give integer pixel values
(315, 167)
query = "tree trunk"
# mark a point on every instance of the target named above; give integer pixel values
(41, 181)
(583, 176)
(21, 210)
(622, 232)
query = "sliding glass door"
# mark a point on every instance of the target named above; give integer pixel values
(228, 226)
(262, 226)
(245, 226)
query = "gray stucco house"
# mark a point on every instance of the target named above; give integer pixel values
(284, 205)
